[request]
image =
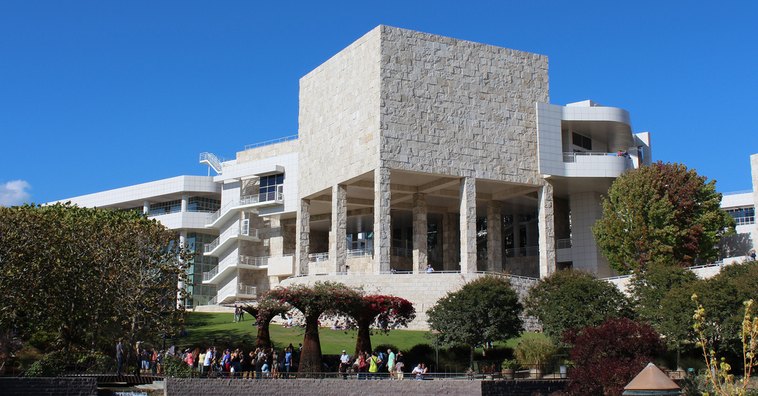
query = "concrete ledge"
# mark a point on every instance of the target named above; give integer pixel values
(58, 386)
(338, 387)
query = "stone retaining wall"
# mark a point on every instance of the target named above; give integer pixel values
(60, 386)
(337, 387)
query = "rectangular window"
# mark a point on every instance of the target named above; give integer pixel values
(743, 216)
(269, 186)
(162, 208)
(581, 141)
(202, 204)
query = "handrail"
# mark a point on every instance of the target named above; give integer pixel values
(270, 142)
(246, 290)
(571, 156)
(211, 160)
(360, 252)
(318, 257)
(254, 261)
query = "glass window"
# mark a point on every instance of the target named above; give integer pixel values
(581, 141)
(202, 204)
(743, 216)
(269, 185)
(162, 208)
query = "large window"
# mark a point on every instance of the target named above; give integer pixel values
(202, 204)
(743, 216)
(269, 185)
(581, 141)
(163, 208)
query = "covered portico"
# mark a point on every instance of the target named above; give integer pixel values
(390, 220)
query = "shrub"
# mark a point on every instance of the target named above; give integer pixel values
(608, 356)
(51, 365)
(176, 368)
(534, 352)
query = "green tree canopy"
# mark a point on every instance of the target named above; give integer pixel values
(663, 213)
(649, 288)
(385, 312)
(570, 299)
(87, 276)
(486, 309)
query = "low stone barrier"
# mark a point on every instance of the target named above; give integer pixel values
(339, 387)
(58, 386)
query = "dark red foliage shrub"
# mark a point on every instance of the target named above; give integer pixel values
(608, 356)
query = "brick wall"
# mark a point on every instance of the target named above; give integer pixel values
(336, 387)
(48, 386)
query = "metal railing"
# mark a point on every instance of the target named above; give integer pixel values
(211, 160)
(215, 215)
(571, 157)
(360, 252)
(233, 231)
(318, 257)
(564, 243)
(744, 220)
(270, 142)
(246, 290)
(210, 274)
(253, 261)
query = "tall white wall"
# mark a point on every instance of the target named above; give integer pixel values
(585, 210)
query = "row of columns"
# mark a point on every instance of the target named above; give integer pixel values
(382, 230)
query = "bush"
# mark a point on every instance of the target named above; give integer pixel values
(176, 368)
(51, 365)
(95, 363)
(608, 356)
(534, 352)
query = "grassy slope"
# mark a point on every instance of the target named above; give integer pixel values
(220, 330)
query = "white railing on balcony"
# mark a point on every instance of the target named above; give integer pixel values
(360, 252)
(229, 233)
(270, 142)
(571, 157)
(564, 243)
(318, 257)
(253, 261)
(215, 215)
(523, 251)
(210, 274)
(246, 290)
(227, 291)
(211, 160)
(212, 301)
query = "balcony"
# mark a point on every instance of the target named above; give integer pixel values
(233, 262)
(245, 202)
(234, 291)
(595, 164)
(231, 235)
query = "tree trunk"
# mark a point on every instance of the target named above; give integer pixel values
(310, 357)
(471, 358)
(264, 335)
(363, 339)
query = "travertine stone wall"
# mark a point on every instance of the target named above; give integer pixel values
(382, 219)
(546, 224)
(419, 233)
(459, 108)
(272, 150)
(423, 289)
(339, 116)
(303, 240)
(468, 224)
(338, 234)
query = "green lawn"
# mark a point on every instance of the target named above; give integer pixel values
(220, 330)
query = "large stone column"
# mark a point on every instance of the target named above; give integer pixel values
(468, 224)
(419, 233)
(494, 237)
(382, 219)
(303, 225)
(546, 219)
(338, 234)
(185, 202)
(449, 242)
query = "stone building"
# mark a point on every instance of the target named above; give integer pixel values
(414, 153)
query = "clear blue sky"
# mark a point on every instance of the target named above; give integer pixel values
(101, 94)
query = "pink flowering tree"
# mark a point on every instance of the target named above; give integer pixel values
(328, 298)
(263, 312)
(384, 312)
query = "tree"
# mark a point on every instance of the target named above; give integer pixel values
(608, 356)
(572, 300)
(313, 301)
(663, 213)
(484, 310)
(265, 311)
(649, 288)
(386, 312)
(101, 275)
